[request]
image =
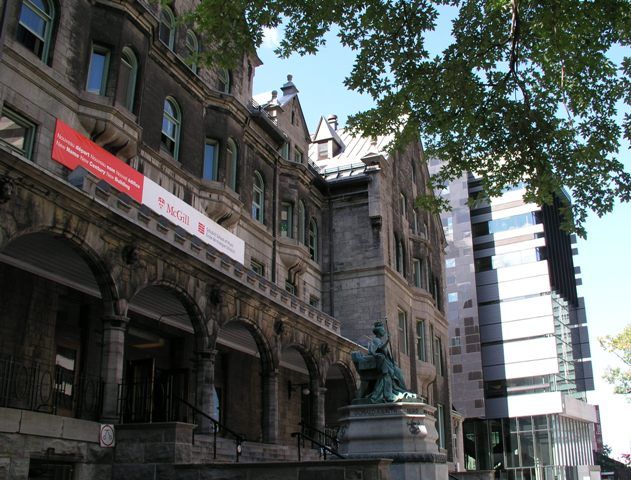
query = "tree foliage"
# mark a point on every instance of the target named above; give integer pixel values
(525, 93)
(620, 345)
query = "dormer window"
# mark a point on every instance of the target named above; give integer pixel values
(323, 150)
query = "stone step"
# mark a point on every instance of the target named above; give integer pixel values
(202, 451)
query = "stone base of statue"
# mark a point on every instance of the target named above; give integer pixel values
(403, 431)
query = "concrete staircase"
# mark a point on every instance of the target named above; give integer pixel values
(202, 451)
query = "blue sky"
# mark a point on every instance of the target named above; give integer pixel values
(605, 263)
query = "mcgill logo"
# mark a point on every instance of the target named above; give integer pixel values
(161, 202)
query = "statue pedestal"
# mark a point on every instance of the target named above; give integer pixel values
(402, 431)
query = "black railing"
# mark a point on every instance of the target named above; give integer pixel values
(31, 385)
(148, 401)
(218, 427)
(326, 444)
(161, 401)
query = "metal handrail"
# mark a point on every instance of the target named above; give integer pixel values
(323, 448)
(324, 437)
(217, 426)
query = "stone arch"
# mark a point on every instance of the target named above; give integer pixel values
(187, 301)
(269, 361)
(35, 238)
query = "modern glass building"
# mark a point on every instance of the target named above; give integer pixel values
(518, 336)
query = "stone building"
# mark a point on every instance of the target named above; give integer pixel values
(169, 254)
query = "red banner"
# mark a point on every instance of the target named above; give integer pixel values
(73, 150)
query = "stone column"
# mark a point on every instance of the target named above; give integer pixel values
(205, 388)
(270, 407)
(114, 327)
(320, 408)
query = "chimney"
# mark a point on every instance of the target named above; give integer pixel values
(332, 121)
(288, 88)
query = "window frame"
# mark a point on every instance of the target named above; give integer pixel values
(287, 209)
(258, 197)
(192, 47)
(106, 53)
(29, 135)
(48, 19)
(165, 11)
(440, 427)
(404, 346)
(302, 223)
(298, 156)
(313, 239)
(176, 120)
(205, 160)
(257, 267)
(421, 339)
(232, 164)
(129, 58)
(225, 80)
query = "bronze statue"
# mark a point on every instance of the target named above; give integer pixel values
(382, 380)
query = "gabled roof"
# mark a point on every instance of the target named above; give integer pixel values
(326, 132)
(357, 149)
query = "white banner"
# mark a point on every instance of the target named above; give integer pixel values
(191, 220)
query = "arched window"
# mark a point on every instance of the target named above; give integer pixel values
(171, 125)
(258, 197)
(192, 50)
(127, 78)
(232, 164)
(225, 80)
(35, 26)
(167, 27)
(313, 239)
(302, 223)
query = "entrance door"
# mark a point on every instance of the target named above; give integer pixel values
(138, 391)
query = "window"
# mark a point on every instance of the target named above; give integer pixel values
(209, 169)
(421, 352)
(403, 332)
(284, 151)
(415, 228)
(438, 355)
(440, 425)
(290, 287)
(127, 78)
(35, 27)
(192, 51)
(302, 222)
(323, 151)
(171, 124)
(452, 297)
(258, 197)
(167, 27)
(313, 240)
(450, 262)
(232, 156)
(17, 132)
(314, 301)
(403, 204)
(258, 268)
(225, 80)
(400, 257)
(298, 156)
(418, 272)
(97, 72)
(287, 220)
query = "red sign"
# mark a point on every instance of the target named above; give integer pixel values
(73, 150)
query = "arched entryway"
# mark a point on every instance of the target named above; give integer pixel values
(299, 392)
(159, 370)
(243, 366)
(340, 391)
(55, 291)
